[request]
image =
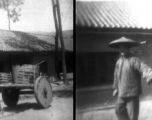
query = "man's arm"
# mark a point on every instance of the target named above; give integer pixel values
(145, 70)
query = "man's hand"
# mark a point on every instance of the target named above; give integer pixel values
(115, 92)
(149, 81)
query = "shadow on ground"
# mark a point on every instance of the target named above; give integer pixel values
(20, 108)
(64, 94)
(26, 97)
(28, 105)
(23, 107)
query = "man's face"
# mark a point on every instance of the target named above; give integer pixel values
(123, 50)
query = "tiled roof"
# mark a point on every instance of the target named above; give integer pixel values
(114, 14)
(14, 41)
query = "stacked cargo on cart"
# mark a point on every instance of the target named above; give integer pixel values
(25, 77)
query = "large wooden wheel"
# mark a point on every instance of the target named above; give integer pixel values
(43, 92)
(10, 97)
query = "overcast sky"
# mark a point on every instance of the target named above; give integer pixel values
(37, 15)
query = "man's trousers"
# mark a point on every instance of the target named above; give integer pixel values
(127, 108)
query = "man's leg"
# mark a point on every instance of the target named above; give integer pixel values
(133, 107)
(121, 110)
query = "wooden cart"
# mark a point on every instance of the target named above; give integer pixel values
(26, 79)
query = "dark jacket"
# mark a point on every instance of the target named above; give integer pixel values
(133, 69)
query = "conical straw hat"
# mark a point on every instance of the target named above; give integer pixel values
(123, 41)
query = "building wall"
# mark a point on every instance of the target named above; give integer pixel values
(5, 63)
(69, 59)
(93, 42)
(8, 60)
(49, 58)
(95, 68)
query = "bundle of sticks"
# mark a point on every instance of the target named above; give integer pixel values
(5, 77)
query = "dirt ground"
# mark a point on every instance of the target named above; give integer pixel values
(109, 114)
(90, 105)
(27, 109)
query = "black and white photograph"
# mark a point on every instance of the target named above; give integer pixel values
(113, 59)
(36, 59)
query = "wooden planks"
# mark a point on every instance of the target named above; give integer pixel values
(11, 85)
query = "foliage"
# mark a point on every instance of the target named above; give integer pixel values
(12, 8)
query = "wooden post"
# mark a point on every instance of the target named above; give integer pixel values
(56, 39)
(62, 43)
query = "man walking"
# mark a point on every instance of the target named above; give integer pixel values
(128, 72)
